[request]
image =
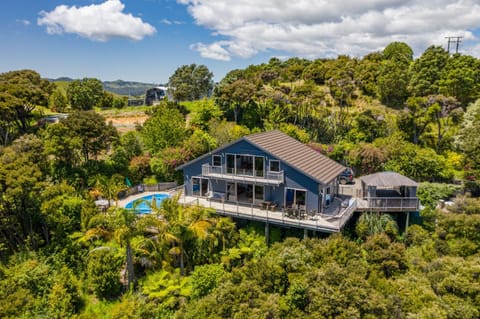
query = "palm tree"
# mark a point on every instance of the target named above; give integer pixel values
(110, 187)
(184, 225)
(375, 223)
(122, 225)
(125, 228)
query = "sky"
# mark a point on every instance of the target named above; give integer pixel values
(147, 40)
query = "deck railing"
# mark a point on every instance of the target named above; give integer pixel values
(253, 212)
(392, 203)
(348, 212)
(241, 174)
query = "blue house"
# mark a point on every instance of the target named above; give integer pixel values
(268, 169)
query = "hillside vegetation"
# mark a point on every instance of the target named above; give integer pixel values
(119, 87)
(62, 257)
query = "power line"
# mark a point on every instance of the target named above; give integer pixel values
(457, 40)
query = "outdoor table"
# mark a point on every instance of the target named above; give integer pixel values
(266, 204)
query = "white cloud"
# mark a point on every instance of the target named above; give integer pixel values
(473, 50)
(313, 28)
(170, 22)
(98, 22)
(212, 51)
(24, 22)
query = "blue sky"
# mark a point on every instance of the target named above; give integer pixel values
(146, 40)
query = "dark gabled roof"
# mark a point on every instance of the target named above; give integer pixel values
(292, 152)
(387, 179)
(297, 155)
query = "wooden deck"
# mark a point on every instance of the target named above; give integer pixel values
(329, 222)
(332, 220)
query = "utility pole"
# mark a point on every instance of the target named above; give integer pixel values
(457, 40)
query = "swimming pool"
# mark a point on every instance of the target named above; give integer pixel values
(143, 205)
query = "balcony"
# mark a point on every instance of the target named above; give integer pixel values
(242, 175)
(389, 204)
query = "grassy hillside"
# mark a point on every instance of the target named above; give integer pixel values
(128, 88)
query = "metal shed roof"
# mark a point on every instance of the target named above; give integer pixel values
(387, 179)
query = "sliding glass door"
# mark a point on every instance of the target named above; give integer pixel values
(245, 165)
(295, 197)
(199, 186)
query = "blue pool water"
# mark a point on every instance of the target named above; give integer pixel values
(143, 205)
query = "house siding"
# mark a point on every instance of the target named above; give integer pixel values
(292, 177)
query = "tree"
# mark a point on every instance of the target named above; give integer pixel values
(185, 224)
(123, 225)
(64, 298)
(206, 112)
(22, 179)
(469, 139)
(235, 97)
(165, 128)
(315, 72)
(341, 81)
(376, 223)
(461, 78)
(426, 71)
(20, 92)
(367, 157)
(398, 51)
(367, 71)
(370, 125)
(392, 83)
(226, 132)
(85, 94)
(394, 78)
(386, 256)
(206, 278)
(131, 143)
(423, 113)
(102, 272)
(110, 187)
(421, 164)
(447, 114)
(61, 208)
(64, 147)
(190, 82)
(58, 101)
(95, 135)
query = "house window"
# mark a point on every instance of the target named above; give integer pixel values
(258, 192)
(295, 197)
(231, 164)
(199, 186)
(259, 162)
(217, 160)
(274, 166)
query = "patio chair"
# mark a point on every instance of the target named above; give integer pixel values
(302, 211)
